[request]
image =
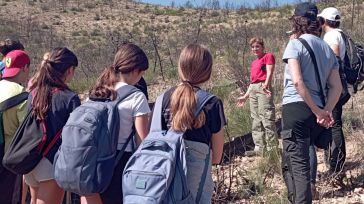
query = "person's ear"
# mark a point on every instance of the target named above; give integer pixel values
(26, 68)
(69, 73)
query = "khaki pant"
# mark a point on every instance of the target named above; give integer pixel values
(262, 111)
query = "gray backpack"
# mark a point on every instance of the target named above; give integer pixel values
(156, 173)
(84, 164)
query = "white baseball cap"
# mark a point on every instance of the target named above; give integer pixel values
(331, 14)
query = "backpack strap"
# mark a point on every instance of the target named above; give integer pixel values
(13, 101)
(7, 104)
(121, 152)
(202, 98)
(203, 177)
(156, 125)
(312, 54)
(123, 93)
(345, 39)
(52, 143)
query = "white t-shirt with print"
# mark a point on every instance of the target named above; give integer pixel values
(132, 106)
(334, 37)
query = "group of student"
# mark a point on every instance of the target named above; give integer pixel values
(311, 114)
(52, 100)
(315, 90)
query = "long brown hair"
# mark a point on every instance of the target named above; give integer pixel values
(194, 68)
(50, 76)
(128, 58)
(302, 25)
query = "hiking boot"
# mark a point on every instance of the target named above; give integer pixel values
(314, 192)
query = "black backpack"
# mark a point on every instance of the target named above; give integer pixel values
(353, 64)
(5, 105)
(28, 145)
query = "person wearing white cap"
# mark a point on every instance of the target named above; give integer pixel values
(334, 38)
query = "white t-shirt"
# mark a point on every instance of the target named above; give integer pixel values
(334, 37)
(132, 106)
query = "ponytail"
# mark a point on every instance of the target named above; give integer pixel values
(51, 76)
(183, 105)
(105, 84)
(194, 68)
(128, 58)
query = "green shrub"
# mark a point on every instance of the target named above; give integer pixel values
(95, 32)
(90, 5)
(57, 23)
(77, 9)
(158, 12)
(44, 7)
(215, 14)
(44, 26)
(76, 33)
(173, 12)
(81, 85)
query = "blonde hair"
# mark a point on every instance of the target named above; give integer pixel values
(194, 68)
(260, 41)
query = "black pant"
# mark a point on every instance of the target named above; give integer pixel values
(10, 187)
(336, 152)
(114, 193)
(300, 129)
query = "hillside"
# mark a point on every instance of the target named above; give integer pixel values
(95, 28)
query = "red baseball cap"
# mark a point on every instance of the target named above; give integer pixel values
(14, 62)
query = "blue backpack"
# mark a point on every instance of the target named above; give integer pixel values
(156, 173)
(84, 164)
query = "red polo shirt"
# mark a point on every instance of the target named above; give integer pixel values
(258, 70)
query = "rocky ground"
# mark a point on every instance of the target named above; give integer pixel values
(258, 180)
(253, 180)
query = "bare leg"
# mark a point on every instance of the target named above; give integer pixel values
(24, 191)
(33, 194)
(49, 193)
(91, 199)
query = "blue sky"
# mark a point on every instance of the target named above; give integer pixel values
(222, 2)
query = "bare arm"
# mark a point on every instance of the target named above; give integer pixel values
(335, 49)
(335, 89)
(242, 99)
(295, 70)
(268, 80)
(141, 127)
(247, 93)
(217, 145)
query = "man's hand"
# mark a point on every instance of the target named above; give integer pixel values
(324, 118)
